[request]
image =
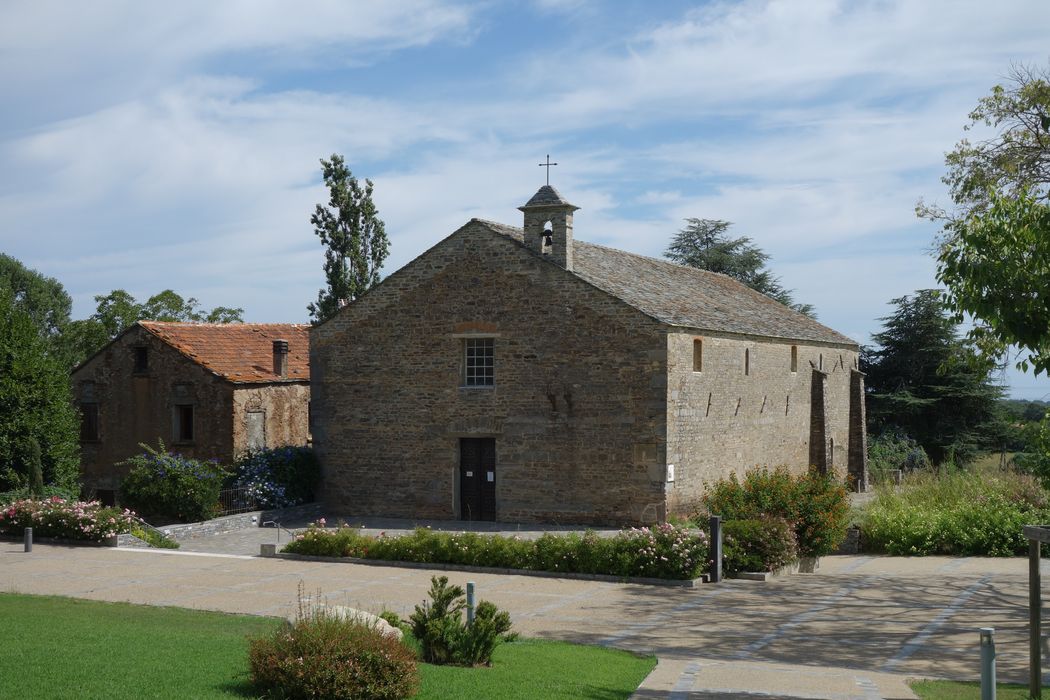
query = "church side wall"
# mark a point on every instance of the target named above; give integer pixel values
(721, 420)
(577, 410)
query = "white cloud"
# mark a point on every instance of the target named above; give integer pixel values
(177, 147)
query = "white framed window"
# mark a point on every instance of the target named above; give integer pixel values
(479, 367)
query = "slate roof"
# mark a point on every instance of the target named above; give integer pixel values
(547, 196)
(684, 296)
(241, 353)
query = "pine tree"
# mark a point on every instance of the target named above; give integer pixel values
(706, 244)
(354, 236)
(922, 382)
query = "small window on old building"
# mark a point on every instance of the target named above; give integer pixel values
(820, 362)
(141, 360)
(747, 361)
(479, 362)
(794, 358)
(89, 421)
(698, 355)
(184, 423)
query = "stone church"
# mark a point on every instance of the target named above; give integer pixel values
(517, 374)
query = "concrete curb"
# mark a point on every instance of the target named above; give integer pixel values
(65, 542)
(783, 571)
(667, 583)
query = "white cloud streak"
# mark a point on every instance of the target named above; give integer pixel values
(177, 147)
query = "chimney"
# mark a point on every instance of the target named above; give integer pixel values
(547, 206)
(280, 358)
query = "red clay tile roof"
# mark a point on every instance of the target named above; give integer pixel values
(239, 352)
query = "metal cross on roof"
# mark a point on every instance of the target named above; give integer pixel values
(548, 165)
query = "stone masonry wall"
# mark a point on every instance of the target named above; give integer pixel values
(285, 409)
(577, 410)
(721, 420)
(139, 407)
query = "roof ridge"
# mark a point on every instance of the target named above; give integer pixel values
(215, 324)
(656, 290)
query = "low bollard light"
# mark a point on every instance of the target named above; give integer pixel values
(987, 663)
(470, 602)
(29, 539)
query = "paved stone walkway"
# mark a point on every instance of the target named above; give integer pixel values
(857, 629)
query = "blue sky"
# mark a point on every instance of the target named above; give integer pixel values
(146, 147)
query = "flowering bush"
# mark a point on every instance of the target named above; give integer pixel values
(757, 545)
(72, 520)
(815, 504)
(662, 551)
(279, 477)
(167, 485)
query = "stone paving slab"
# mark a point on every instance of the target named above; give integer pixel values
(856, 629)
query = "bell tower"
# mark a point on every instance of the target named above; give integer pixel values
(548, 225)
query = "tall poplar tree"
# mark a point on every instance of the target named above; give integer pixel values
(354, 237)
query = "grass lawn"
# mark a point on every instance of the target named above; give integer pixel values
(536, 668)
(955, 690)
(68, 648)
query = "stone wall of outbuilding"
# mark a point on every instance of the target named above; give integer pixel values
(139, 407)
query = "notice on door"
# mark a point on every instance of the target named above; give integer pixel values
(492, 476)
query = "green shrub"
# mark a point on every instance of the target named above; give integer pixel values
(323, 656)
(443, 634)
(816, 504)
(892, 451)
(49, 491)
(168, 485)
(960, 513)
(73, 520)
(765, 544)
(662, 551)
(154, 538)
(279, 477)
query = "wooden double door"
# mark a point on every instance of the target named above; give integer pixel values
(477, 478)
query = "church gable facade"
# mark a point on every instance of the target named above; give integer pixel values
(518, 375)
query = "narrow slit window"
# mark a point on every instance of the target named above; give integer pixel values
(698, 355)
(820, 362)
(794, 358)
(141, 360)
(88, 422)
(479, 365)
(747, 361)
(184, 423)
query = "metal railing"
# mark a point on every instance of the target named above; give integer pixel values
(233, 501)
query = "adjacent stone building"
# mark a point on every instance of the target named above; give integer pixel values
(209, 391)
(519, 375)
